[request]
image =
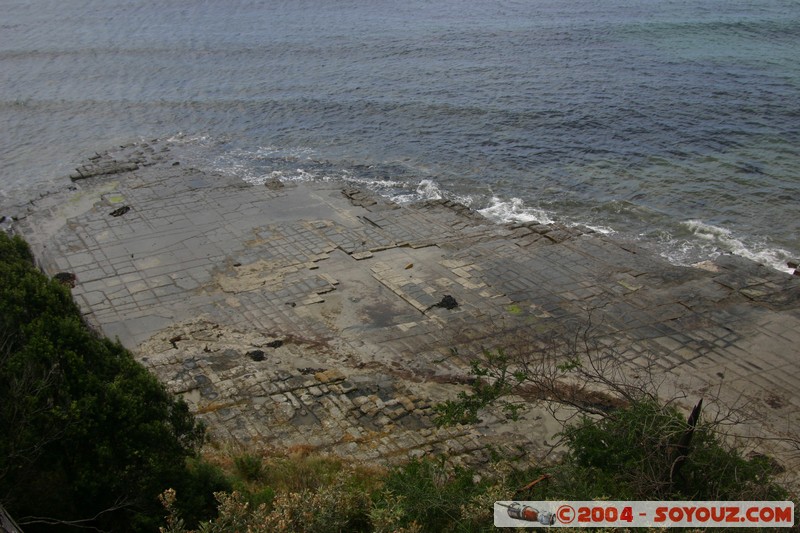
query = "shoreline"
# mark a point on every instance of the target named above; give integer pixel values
(305, 315)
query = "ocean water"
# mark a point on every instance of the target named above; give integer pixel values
(672, 122)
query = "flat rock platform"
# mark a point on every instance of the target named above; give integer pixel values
(305, 314)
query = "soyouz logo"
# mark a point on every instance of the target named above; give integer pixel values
(643, 514)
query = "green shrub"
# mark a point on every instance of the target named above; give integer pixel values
(88, 433)
(629, 455)
(633, 447)
(430, 495)
(249, 467)
(303, 472)
(340, 505)
(197, 490)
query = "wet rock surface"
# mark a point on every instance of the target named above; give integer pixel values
(307, 314)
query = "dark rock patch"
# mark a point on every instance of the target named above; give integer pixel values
(447, 302)
(66, 278)
(256, 355)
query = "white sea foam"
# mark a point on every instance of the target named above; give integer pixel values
(605, 230)
(259, 153)
(378, 184)
(429, 190)
(182, 138)
(225, 165)
(700, 240)
(426, 190)
(298, 175)
(711, 241)
(514, 210)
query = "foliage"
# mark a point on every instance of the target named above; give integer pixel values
(250, 467)
(198, 488)
(341, 504)
(627, 455)
(422, 495)
(464, 409)
(92, 437)
(303, 471)
(626, 445)
(430, 495)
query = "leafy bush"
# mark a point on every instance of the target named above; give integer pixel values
(250, 467)
(202, 480)
(630, 455)
(422, 495)
(90, 437)
(341, 505)
(632, 447)
(431, 495)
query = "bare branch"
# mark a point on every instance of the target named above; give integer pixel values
(83, 523)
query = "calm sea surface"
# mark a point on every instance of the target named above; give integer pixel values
(675, 122)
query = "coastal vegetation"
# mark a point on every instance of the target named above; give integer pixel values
(623, 440)
(92, 441)
(90, 438)
(627, 455)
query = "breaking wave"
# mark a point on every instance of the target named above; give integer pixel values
(707, 241)
(680, 242)
(514, 210)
